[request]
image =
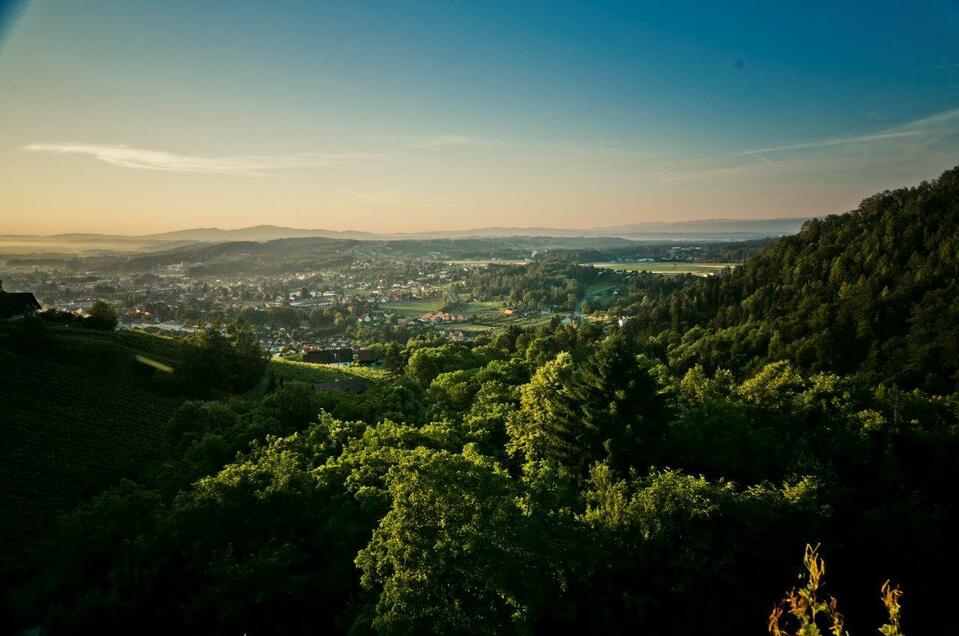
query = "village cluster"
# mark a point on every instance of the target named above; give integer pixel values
(316, 315)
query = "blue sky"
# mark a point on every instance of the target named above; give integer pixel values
(135, 116)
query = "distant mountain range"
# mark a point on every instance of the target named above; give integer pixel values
(255, 233)
(721, 229)
(704, 230)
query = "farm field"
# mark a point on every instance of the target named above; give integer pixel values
(498, 320)
(480, 315)
(480, 262)
(483, 310)
(697, 269)
(472, 327)
(413, 308)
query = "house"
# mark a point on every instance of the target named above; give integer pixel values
(328, 356)
(344, 356)
(319, 356)
(17, 304)
(368, 357)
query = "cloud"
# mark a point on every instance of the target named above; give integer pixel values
(928, 139)
(937, 125)
(443, 140)
(832, 141)
(142, 159)
(937, 67)
(933, 121)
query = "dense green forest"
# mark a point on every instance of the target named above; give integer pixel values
(546, 284)
(661, 477)
(872, 293)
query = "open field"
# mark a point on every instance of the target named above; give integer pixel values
(488, 314)
(482, 309)
(600, 289)
(306, 372)
(480, 262)
(413, 308)
(472, 327)
(698, 269)
(494, 320)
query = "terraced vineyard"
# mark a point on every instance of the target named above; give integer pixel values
(74, 420)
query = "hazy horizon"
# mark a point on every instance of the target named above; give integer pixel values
(678, 225)
(123, 119)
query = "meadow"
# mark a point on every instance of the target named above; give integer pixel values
(667, 268)
(482, 262)
(413, 308)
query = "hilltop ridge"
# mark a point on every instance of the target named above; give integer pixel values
(873, 291)
(716, 229)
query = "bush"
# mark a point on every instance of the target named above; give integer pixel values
(101, 316)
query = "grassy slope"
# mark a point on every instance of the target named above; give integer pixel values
(74, 420)
(292, 371)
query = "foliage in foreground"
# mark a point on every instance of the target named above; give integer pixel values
(811, 615)
(592, 492)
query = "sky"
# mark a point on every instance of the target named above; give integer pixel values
(138, 117)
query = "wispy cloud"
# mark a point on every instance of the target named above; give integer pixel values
(443, 140)
(142, 159)
(928, 138)
(936, 67)
(832, 141)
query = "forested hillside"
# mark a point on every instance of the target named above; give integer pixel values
(874, 292)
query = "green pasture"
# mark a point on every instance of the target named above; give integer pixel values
(667, 269)
(413, 308)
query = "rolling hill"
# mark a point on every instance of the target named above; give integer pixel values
(873, 292)
(79, 414)
(81, 411)
(701, 230)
